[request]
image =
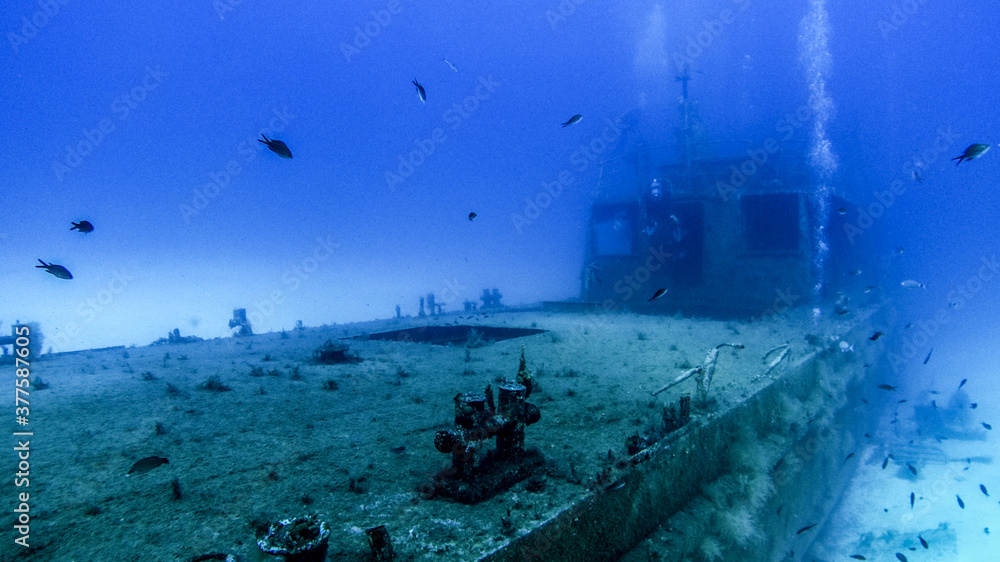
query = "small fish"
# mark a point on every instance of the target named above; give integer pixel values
(915, 174)
(858, 557)
(974, 151)
(986, 530)
(908, 325)
(57, 270)
(848, 457)
(960, 502)
(928, 358)
(472, 216)
(876, 336)
(913, 470)
(934, 404)
(886, 387)
(841, 211)
(901, 557)
(855, 273)
(911, 284)
(146, 464)
(398, 450)
(912, 497)
(900, 250)
(885, 463)
(974, 405)
(903, 401)
(277, 147)
(983, 490)
(806, 528)
(659, 293)
(987, 426)
(961, 384)
(869, 289)
(453, 67)
(83, 226)
(923, 542)
(573, 120)
(421, 93)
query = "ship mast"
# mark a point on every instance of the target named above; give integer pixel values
(684, 77)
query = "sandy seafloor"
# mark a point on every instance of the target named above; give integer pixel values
(274, 447)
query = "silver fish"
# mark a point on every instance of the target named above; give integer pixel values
(57, 270)
(573, 120)
(974, 151)
(911, 284)
(421, 93)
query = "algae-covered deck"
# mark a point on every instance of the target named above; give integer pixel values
(354, 443)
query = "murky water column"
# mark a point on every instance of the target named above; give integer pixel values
(815, 55)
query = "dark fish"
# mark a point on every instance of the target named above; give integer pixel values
(277, 147)
(885, 463)
(472, 216)
(806, 528)
(421, 93)
(900, 557)
(913, 470)
(960, 502)
(858, 557)
(986, 425)
(934, 404)
(398, 450)
(146, 464)
(886, 387)
(983, 489)
(903, 401)
(961, 384)
(659, 293)
(841, 211)
(974, 405)
(573, 120)
(923, 542)
(916, 176)
(912, 497)
(928, 358)
(848, 457)
(855, 273)
(974, 151)
(83, 226)
(876, 336)
(57, 270)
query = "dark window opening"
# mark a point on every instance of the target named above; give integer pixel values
(771, 222)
